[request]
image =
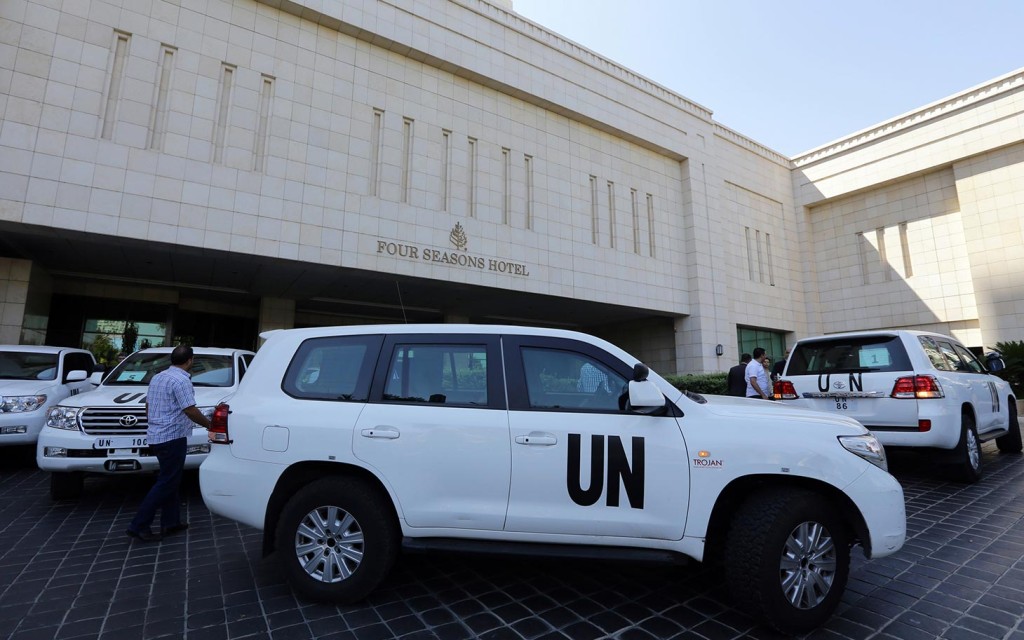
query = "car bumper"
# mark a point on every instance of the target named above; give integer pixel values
(237, 488)
(879, 497)
(21, 428)
(59, 450)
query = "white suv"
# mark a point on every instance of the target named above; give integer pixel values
(33, 379)
(104, 431)
(910, 388)
(344, 443)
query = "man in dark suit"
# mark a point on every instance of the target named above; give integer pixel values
(738, 379)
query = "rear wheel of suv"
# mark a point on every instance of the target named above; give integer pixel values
(336, 541)
(1010, 443)
(967, 455)
(787, 558)
(66, 485)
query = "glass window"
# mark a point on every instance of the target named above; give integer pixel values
(848, 355)
(25, 365)
(954, 358)
(558, 379)
(334, 368)
(773, 342)
(934, 354)
(969, 359)
(77, 362)
(450, 374)
(140, 367)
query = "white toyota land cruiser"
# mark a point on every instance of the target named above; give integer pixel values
(33, 379)
(910, 388)
(104, 431)
(344, 443)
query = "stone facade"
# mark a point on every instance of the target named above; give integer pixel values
(456, 145)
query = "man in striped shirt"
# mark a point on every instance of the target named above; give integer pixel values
(170, 411)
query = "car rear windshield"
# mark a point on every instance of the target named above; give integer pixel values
(845, 355)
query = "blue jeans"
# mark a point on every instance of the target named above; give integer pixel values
(164, 494)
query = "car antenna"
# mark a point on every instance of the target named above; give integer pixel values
(400, 302)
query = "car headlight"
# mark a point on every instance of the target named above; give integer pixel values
(868, 447)
(63, 418)
(21, 404)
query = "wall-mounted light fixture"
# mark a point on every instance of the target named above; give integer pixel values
(719, 350)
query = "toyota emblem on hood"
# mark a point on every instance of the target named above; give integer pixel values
(128, 421)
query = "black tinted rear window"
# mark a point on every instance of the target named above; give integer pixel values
(844, 355)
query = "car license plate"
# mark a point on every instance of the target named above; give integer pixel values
(120, 442)
(843, 404)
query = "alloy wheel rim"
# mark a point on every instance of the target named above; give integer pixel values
(329, 544)
(807, 568)
(973, 450)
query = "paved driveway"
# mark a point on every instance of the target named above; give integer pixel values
(68, 571)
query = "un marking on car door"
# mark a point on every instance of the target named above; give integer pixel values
(632, 477)
(995, 396)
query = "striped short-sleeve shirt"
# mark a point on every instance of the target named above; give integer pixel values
(170, 393)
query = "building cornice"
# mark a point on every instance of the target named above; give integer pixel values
(939, 109)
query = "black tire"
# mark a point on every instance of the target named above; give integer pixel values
(66, 485)
(967, 455)
(1011, 443)
(765, 569)
(360, 540)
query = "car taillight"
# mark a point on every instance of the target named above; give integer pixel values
(218, 431)
(917, 387)
(784, 390)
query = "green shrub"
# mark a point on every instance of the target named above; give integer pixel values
(709, 383)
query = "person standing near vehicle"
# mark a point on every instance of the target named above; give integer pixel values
(779, 367)
(757, 376)
(170, 412)
(737, 377)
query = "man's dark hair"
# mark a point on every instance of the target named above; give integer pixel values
(181, 354)
(758, 352)
(745, 358)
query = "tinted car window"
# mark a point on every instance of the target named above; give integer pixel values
(333, 368)
(438, 374)
(949, 351)
(24, 365)
(935, 355)
(77, 362)
(139, 369)
(851, 354)
(969, 359)
(557, 379)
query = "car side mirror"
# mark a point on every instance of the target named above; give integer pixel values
(76, 376)
(994, 362)
(644, 394)
(96, 378)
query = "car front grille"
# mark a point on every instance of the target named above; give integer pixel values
(107, 421)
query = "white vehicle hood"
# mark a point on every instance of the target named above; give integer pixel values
(25, 387)
(774, 412)
(133, 396)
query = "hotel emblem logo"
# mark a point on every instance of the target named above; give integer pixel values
(458, 237)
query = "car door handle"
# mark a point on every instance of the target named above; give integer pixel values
(537, 438)
(386, 433)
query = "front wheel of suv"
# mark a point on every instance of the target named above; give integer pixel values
(336, 541)
(787, 558)
(1010, 443)
(967, 455)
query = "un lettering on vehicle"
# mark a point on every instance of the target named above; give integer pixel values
(619, 471)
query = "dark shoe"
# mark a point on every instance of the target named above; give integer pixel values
(175, 529)
(143, 536)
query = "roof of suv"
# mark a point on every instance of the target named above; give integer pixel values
(208, 351)
(33, 348)
(488, 329)
(879, 332)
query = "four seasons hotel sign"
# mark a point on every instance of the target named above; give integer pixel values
(459, 257)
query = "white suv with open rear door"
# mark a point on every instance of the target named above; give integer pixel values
(910, 388)
(344, 444)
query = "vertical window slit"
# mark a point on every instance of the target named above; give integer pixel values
(376, 140)
(760, 255)
(263, 124)
(636, 220)
(446, 160)
(611, 214)
(594, 215)
(768, 249)
(528, 162)
(862, 248)
(114, 87)
(471, 182)
(883, 259)
(158, 114)
(650, 222)
(908, 271)
(223, 110)
(407, 140)
(506, 185)
(750, 253)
